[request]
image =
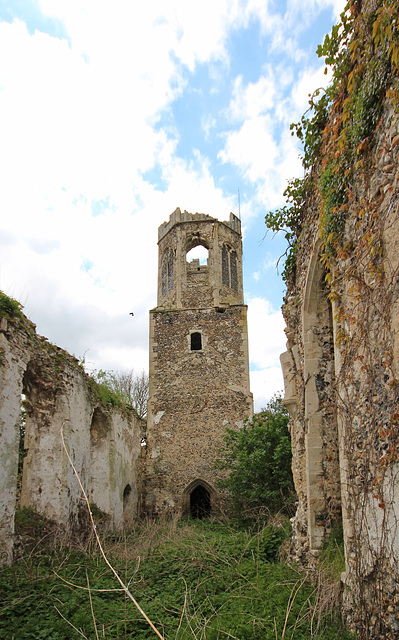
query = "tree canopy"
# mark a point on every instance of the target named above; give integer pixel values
(258, 459)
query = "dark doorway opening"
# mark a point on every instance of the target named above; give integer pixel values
(200, 502)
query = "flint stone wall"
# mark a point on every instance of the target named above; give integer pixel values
(341, 372)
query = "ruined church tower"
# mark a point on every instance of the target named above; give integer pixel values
(199, 373)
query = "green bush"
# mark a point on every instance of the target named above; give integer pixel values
(258, 461)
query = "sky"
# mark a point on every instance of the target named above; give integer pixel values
(114, 113)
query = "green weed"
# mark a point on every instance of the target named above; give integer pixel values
(205, 580)
(9, 307)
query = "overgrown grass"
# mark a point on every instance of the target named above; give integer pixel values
(194, 579)
(332, 557)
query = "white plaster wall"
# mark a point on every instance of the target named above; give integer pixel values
(11, 372)
(378, 524)
(114, 459)
(49, 484)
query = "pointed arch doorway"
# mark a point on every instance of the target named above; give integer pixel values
(200, 502)
(199, 499)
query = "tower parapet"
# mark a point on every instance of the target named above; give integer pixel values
(177, 216)
(186, 284)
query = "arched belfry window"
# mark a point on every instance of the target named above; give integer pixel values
(229, 268)
(198, 254)
(167, 272)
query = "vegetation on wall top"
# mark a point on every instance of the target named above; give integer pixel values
(9, 307)
(122, 389)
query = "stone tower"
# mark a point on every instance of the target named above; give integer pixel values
(199, 373)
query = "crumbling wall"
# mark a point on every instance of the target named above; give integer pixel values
(341, 373)
(13, 363)
(62, 410)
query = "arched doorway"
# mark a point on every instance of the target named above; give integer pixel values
(199, 499)
(128, 506)
(200, 502)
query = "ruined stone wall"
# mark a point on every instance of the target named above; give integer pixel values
(341, 371)
(195, 393)
(103, 442)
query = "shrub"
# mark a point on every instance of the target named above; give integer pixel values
(9, 307)
(258, 459)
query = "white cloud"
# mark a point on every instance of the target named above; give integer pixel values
(266, 342)
(252, 148)
(255, 98)
(81, 122)
(262, 145)
(193, 32)
(265, 384)
(266, 334)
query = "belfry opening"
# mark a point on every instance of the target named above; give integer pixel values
(200, 502)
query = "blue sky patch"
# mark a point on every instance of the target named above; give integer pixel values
(29, 12)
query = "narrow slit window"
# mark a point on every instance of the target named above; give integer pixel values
(196, 341)
(233, 270)
(164, 277)
(229, 268)
(170, 271)
(167, 273)
(225, 267)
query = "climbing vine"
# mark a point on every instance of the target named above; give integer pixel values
(338, 130)
(350, 137)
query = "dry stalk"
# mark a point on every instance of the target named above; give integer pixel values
(124, 587)
(91, 605)
(70, 624)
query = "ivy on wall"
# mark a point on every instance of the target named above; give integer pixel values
(350, 193)
(337, 131)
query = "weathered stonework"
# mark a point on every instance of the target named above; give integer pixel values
(103, 442)
(199, 374)
(341, 372)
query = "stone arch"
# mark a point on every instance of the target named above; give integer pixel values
(100, 441)
(195, 240)
(321, 430)
(196, 258)
(41, 482)
(199, 489)
(128, 506)
(100, 426)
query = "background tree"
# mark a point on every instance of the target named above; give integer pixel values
(258, 459)
(125, 387)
